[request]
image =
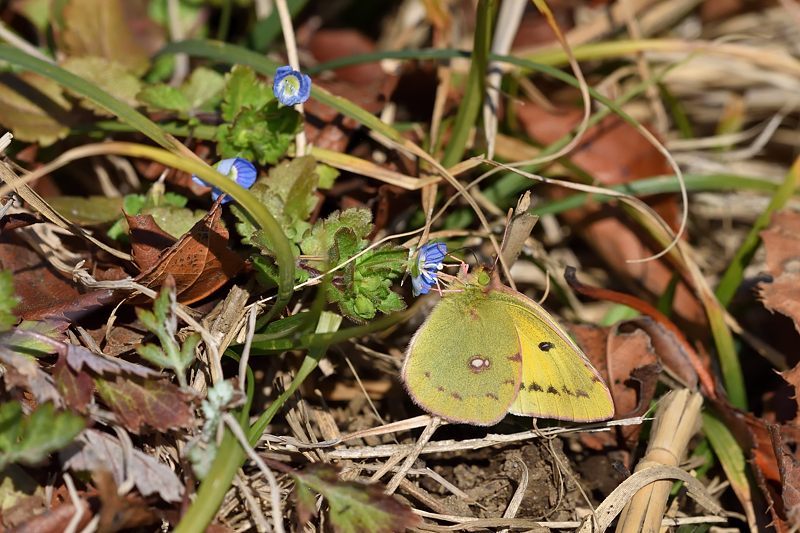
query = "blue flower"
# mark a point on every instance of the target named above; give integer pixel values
(428, 265)
(239, 170)
(291, 87)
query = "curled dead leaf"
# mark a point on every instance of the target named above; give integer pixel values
(200, 261)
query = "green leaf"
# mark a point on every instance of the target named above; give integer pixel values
(162, 322)
(8, 300)
(88, 210)
(43, 119)
(107, 75)
(322, 236)
(243, 90)
(354, 507)
(30, 439)
(101, 28)
(262, 135)
(203, 89)
(327, 175)
(163, 96)
(289, 194)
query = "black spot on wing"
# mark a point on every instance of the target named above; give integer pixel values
(546, 346)
(552, 390)
(535, 387)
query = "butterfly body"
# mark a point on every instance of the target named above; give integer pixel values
(488, 350)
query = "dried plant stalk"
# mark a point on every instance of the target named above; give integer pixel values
(677, 419)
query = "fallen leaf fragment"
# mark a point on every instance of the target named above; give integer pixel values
(155, 402)
(117, 512)
(200, 261)
(24, 373)
(782, 244)
(353, 506)
(94, 450)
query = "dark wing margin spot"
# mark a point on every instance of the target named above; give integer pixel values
(582, 393)
(493, 396)
(456, 396)
(552, 390)
(535, 387)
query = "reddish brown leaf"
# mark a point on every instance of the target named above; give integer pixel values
(200, 261)
(120, 512)
(155, 403)
(782, 245)
(76, 388)
(148, 240)
(785, 441)
(54, 520)
(44, 292)
(626, 352)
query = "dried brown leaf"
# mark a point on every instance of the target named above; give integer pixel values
(94, 450)
(24, 373)
(200, 261)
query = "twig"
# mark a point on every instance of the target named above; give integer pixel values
(412, 456)
(72, 526)
(251, 330)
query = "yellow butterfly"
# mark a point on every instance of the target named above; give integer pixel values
(488, 350)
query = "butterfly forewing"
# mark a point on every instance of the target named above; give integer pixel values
(464, 363)
(558, 381)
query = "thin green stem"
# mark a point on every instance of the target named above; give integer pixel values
(231, 456)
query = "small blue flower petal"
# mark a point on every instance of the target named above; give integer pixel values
(429, 263)
(242, 171)
(291, 87)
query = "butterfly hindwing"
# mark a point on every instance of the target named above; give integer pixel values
(464, 363)
(558, 381)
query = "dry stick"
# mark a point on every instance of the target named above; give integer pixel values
(516, 500)
(251, 330)
(80, 508)
(508, 20)
(38, 203)
(262, 526)
(412, 456)
(677, 420)
(274, 489)
(291, 51)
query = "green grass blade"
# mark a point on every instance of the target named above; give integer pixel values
(734, 274)
(470, 105)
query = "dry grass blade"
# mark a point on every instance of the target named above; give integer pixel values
(37, 202)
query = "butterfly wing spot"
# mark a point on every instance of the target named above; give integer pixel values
(428, 375)
(552, 390)
(456, 396)
(440, 388)
(535, 387)
(478, 364)
(582, 393)
(546, 346)
(517, 357)
(493, 396)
